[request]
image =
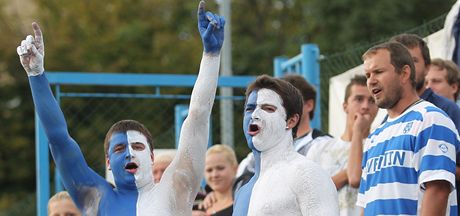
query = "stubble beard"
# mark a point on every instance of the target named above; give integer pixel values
(389, 101)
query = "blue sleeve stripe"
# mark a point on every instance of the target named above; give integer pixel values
(437, 132)
(436, 109)
(437, 162)
(403, 175)
(391, 207)
(410, 116)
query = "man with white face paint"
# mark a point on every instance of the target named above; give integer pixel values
(284, 183)
(128, 144)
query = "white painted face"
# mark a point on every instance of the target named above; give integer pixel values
(140, 152)
(270, 118)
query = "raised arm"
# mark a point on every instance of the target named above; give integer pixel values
(187, 168)
(66, 153)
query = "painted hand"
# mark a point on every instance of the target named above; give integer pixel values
(32, 52)
(211, 28)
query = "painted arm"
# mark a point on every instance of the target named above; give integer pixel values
(187, 168)
(435, 197)
(66, 153)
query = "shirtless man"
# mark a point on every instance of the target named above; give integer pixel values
(284, 183)
(128, 144)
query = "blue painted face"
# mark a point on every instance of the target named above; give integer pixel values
(249, 108)
(120, 156)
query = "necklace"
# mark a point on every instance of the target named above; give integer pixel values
(412, 104)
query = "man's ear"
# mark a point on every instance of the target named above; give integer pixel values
(454, 89)
(292, 121)
(107, 162)
(405, 74)
(345, 106)
(310, 104)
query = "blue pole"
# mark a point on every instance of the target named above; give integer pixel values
(180, 113)
(310, 70)
(277, 69)
(42, 168)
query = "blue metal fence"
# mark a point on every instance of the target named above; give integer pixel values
(305, 64)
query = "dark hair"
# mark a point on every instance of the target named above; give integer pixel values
(307, 91)
(412, 41)
(453, 73)
(292, 99)
(399, 57)
(356, 80)
(126, 125)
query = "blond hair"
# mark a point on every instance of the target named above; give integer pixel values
(63, 195)
(228, 153)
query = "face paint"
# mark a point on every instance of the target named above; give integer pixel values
(249, 108)
(267, 122)
(141, 155)
(130, 159)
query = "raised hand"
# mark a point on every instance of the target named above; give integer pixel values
(32, 52)
(362, 123)
(211, 28)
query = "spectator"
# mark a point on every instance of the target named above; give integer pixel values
(284, 183)
(409, 160)
(333, 156)
(160, 164)
(421, 57)
(220, 171)
(443, 78)
(305, 137)
(60, 204)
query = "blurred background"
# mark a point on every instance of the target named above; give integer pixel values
(159, 36)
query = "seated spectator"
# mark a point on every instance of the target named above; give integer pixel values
(220, 171)
(162, 161)
(62, 205)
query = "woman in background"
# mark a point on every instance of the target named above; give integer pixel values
(220, 171)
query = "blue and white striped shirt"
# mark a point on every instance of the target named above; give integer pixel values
(403, 154)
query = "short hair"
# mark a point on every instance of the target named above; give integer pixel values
(292, 99)
(453, 72)
(399, 57)
(164, 157)
(62, 195)
(412, 41)
(126, 125)
(359, 80)
(228, 153)
(307, 91)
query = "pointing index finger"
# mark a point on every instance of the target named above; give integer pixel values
(37, 33)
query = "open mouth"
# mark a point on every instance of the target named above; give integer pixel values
(253, 129)
(376, 91)
(131, 167)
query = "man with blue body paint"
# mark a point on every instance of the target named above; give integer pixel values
(128, 143)
(285, 182)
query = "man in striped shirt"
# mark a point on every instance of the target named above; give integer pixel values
(408, 165)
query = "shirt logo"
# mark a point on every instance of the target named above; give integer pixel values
(443, 148)
(408, 127)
